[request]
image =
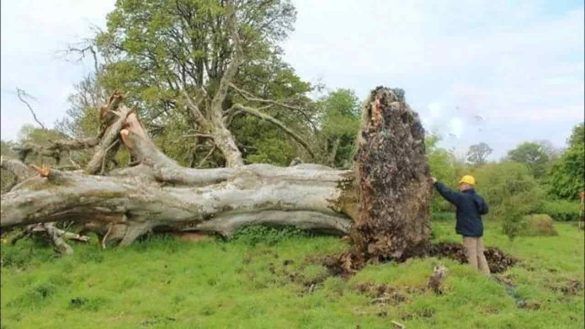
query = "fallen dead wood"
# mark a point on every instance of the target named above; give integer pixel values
(160, 193)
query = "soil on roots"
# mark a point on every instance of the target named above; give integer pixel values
(345, 264)
(394, 183)
(498, 260)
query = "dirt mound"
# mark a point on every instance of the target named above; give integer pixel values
(381, 293)
(345, 264)
(498, 260)
(572, 287)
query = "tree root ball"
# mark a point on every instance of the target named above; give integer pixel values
(394, 181)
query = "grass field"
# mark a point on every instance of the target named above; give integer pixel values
(246, 283)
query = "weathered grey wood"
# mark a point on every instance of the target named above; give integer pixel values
(218, 200)
(106, 147)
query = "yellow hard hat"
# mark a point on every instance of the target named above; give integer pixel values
(467, 179)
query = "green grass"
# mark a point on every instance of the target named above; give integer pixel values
(246, 283)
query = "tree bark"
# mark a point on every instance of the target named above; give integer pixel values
(224, 140)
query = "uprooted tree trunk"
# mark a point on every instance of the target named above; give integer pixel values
(389, 202)
(158, 193)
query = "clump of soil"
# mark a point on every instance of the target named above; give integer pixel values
(381, 293)
(309, 274)
(344, 265)
(498, 260)
(571, 288)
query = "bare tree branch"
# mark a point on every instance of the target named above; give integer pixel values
(110, 135)
(81, 49)
(21, 94)
(198, 135)
(250, 97)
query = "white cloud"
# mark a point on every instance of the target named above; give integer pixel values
(33, 35)
(456, 127)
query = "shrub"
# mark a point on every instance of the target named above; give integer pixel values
(539, 225)
(513, 223)
(511, 193)
(561, 210)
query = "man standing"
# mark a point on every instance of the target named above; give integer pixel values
(470, 207)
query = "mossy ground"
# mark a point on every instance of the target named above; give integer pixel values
(248, 283)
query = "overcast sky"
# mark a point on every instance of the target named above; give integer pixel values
(500, 72)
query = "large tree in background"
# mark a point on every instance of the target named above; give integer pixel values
(533, 155)
(198, 64)
(478, 153)
(339, 115)
(567, 176)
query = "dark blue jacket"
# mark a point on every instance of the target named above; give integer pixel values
(470, 207)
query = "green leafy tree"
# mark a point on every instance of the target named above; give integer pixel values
(533, 155)
(577, 136)
(499, 182)
(478, 153)
(31, 136)
(197, 68)
(443, 167)
(82, 117)
(340, 121)
(567, 176)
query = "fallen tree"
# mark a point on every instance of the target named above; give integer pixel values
(158, 193)
(389, 200)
